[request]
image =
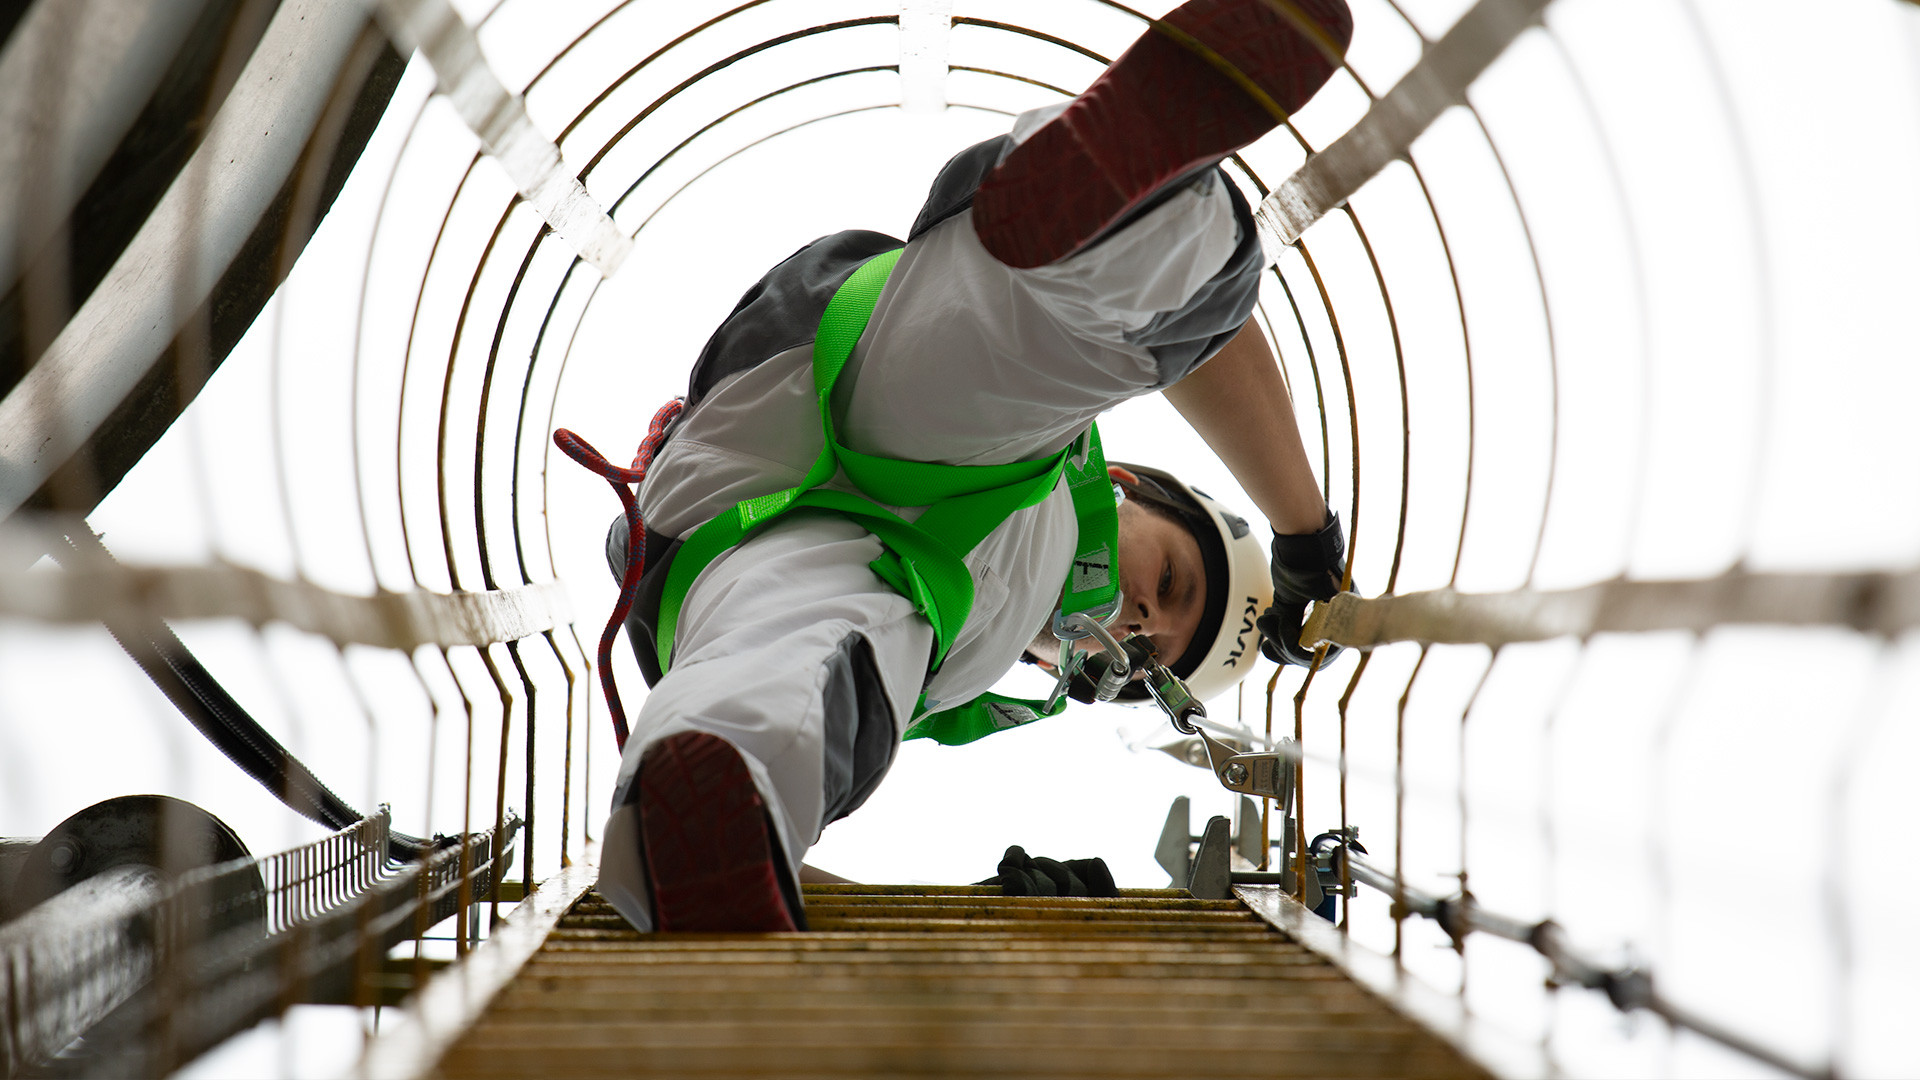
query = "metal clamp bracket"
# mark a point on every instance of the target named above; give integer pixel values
(1267, 774)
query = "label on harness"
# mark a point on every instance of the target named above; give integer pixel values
(1092, 570)
(1008, 714)
(754, 511)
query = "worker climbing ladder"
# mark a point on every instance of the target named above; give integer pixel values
(488, 635)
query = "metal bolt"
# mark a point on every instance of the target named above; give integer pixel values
(1196, 753)
(1236, 773)
(63, 856)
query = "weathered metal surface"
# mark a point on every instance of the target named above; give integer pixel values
(72, 78)
(156, 971)
(13, 856)
(327, 945)
(113, 209)
(70, 961)
(1878, 603)
(444, 1009)
(1151, 983)
(499, 117)
(182, 250)
(112, 593)
(1212, 862)
(85, 914)
(168, 836)
(1435, 83)
(1267, 774)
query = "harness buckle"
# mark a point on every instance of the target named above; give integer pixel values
(1088, 623)
(1071, 661)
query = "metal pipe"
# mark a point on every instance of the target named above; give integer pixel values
(73, 76)
(187, 243)
(82, 960)
(1407, 896)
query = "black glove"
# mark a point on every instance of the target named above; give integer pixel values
(1305, 568)
(1021, 875)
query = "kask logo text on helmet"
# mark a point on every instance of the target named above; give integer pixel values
(1240, 639)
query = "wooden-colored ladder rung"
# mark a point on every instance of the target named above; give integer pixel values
(917, 980)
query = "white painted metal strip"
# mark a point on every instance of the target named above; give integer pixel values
(925, 27)
(1438, 81)
(499, 117)
(449, 1004)
(115, 593)
(1877, 603)
(187, 242)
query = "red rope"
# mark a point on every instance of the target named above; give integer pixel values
(581, 451)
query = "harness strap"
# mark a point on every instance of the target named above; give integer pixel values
(980, 718)
(923, 559)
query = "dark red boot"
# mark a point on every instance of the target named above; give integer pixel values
(710, 850)
(1163, 110)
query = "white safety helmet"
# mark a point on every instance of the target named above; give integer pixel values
(1239, 585)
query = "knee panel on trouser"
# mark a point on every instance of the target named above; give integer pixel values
(861, 737)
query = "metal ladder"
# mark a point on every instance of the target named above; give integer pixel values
(922, 980)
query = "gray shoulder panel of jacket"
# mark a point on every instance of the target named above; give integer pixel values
(1182, 340)
(953, 189)
(783, 308)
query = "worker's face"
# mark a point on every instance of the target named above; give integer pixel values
(1162, 581)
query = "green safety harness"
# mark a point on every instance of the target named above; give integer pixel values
(923, 558)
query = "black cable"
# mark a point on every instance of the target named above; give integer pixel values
(223, 721)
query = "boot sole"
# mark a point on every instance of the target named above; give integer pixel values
(1158, 113)
(708, 845)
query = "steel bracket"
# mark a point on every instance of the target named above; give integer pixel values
(1266, 774)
